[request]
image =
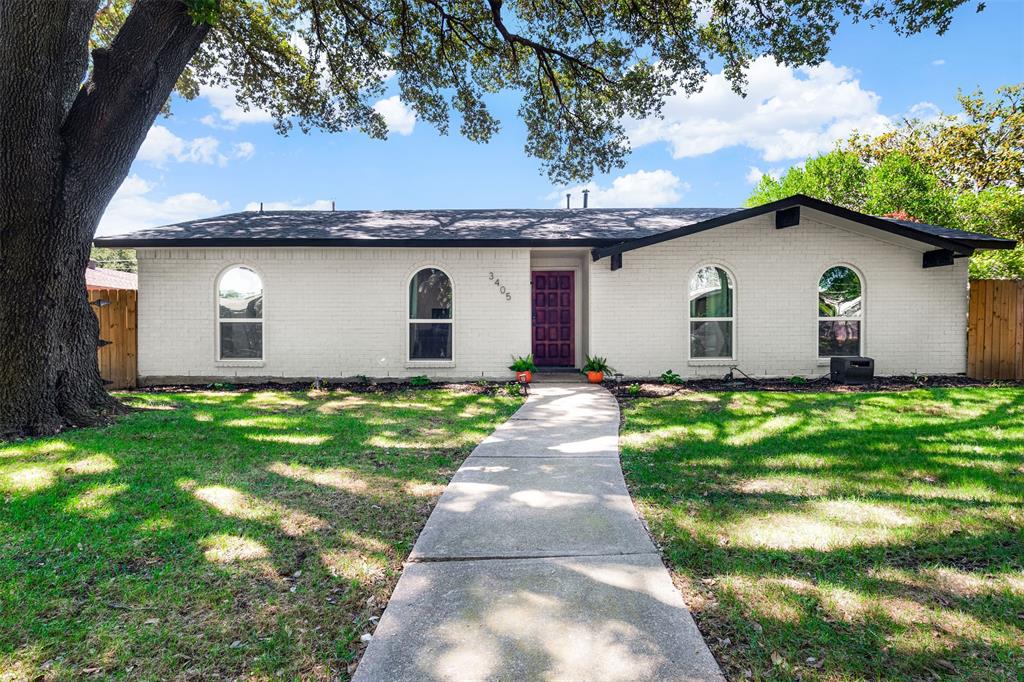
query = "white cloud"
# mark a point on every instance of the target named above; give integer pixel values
(243, 150)
(938, 62)
(924, 111)
(131, 208)
(787, 114)
(754, 174)
(229, 113)
(318, 205)
(641, 189)
(400, 118)
(161, 146)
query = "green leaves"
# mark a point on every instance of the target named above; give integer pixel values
(203, 11)
(580, 69)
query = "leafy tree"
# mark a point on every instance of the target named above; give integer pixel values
(115, 259)
(82, 83)
(964, 171)
(980, 148)
(838, 177)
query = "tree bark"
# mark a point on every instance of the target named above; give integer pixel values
(65, 148)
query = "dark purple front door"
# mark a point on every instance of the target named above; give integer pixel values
(554, 318)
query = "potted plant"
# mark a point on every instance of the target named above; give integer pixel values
(523, 367)
(595, 367)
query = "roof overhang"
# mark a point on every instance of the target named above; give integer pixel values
(128, 242)
(787, 215)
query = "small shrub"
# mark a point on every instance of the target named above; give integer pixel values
(513, 388)
(797, 381)
(523, 363)
(595, 363)
(670, 377)
(483, 383)
(419, 381)
(634, 389)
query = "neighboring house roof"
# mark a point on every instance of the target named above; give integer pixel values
(102, 278)
(610, 231)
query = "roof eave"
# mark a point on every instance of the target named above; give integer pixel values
(958, 246)
(219, 242)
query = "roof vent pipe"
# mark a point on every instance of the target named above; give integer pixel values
(332, 204)
(567, 198)
(261, 207)
(585, 193)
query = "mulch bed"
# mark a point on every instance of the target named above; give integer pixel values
(658, 389)
(488, 388)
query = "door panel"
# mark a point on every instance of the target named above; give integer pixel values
(554, 318)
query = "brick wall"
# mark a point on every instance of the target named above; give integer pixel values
(914, 318)
(333, 312)
(338, 312)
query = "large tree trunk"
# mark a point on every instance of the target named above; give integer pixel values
(64, 150)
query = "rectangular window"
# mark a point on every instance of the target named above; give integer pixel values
(430, 341)
(838, 338)
(241, 340)
(711, 339)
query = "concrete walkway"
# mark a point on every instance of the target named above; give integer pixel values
(534, 565)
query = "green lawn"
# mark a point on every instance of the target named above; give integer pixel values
(842, 536)
(241, 535)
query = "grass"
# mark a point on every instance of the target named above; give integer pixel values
(840, 536)
(221, 534)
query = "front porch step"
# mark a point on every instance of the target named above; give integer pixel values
(558, 377)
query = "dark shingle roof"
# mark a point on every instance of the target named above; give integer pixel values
(610, 230)
(581, 226)
(950, 233)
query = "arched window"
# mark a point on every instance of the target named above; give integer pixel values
(430, 315)
(840, 312)
(711, 314)
(240, 314)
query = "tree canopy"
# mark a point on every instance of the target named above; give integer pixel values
(964, 171)
(581, 68)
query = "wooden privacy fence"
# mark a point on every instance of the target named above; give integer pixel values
(995, 330)
(117, 325)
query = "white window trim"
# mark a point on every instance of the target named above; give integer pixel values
(826, 359)
(239, 362)
(427, 363)
(717, 360)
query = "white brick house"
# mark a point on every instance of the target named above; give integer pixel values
(772, 291)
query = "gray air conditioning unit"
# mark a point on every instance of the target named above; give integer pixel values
(852, 370)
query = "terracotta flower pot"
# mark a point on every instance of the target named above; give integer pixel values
(595, 377)
(526, 376)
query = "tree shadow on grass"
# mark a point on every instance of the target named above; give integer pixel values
(879, 533)
(191, 538)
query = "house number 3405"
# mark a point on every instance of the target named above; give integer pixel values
(501, 287)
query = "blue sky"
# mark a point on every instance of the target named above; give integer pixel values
(210, 158)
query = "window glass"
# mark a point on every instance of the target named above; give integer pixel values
(711, 309)
(838, 338)
(430, 341)
(840, 311)
(240, 311)
(711, 339)
(839, 293)
(241, 294)
(241, 340)
(710, 293)
(430, 296)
